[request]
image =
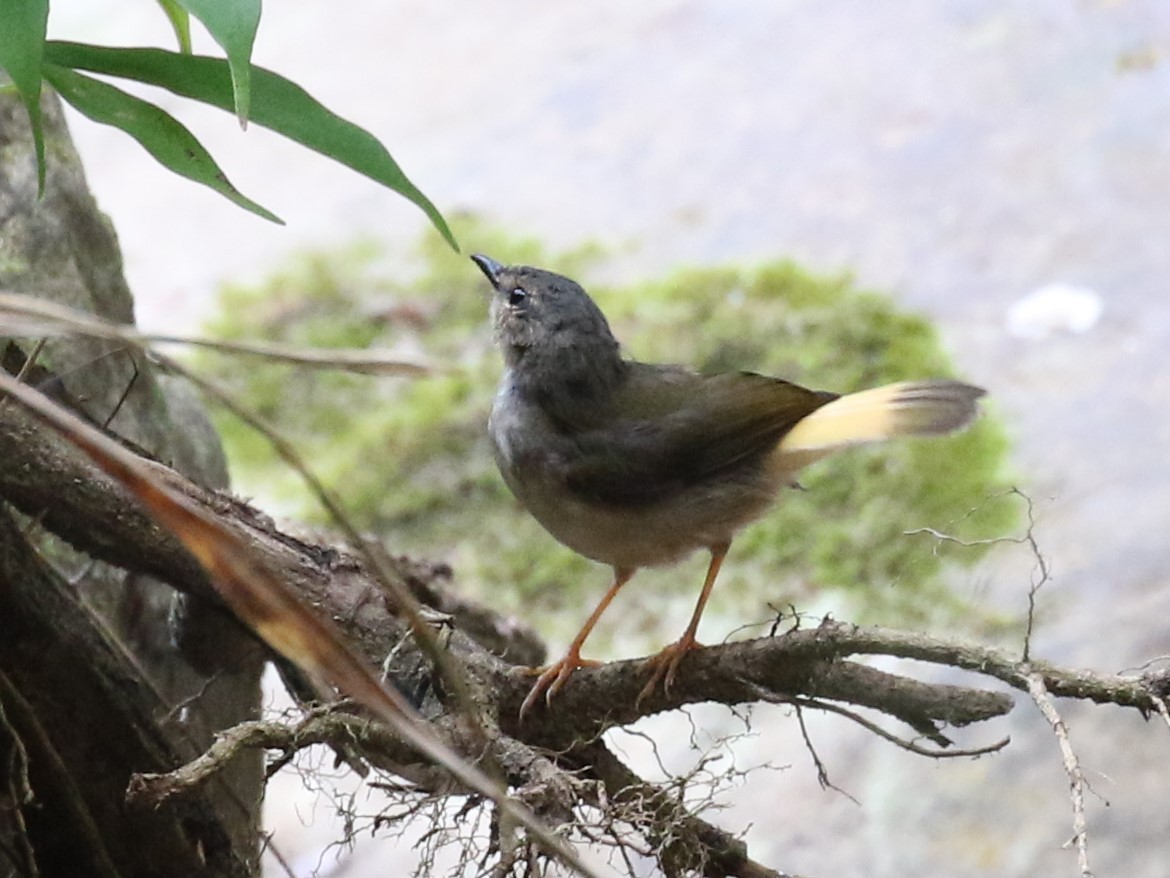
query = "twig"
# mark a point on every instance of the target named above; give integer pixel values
(1072, 768)
(679, 836)
(125, 394)
(47, 318)
(1041, 574)
(323, 725)
(20, 796)
(903, 743)
(30, 361)
(1038, 581)
(1147, 664)
(822, 772)
(1160, 706)
(267, 845)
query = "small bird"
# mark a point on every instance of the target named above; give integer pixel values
(638, 465)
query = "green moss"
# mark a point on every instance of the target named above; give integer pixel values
(412, 462)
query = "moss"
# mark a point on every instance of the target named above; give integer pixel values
(412, 461)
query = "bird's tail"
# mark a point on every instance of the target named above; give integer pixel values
(908, 408)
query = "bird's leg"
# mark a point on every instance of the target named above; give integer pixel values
(552, 677)
(666, 662)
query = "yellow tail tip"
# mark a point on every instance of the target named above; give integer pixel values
(908, 408)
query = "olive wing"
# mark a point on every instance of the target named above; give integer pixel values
(666, 430)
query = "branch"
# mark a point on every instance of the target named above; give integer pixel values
(279, 616)
(1072, 767)
(804, 663)
(908, 746)
(48, 479)
(323, 725)
(842, 640)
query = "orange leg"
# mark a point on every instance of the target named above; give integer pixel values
(553, 677)
(666, 662)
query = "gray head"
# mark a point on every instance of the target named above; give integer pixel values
(547, 326)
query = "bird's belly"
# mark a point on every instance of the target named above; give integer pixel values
(624, 538)
(629, 535)
(647, 535)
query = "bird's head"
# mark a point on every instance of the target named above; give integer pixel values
(543, 320)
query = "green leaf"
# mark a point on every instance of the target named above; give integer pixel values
(232, 24)
(180, 23)
(163, 136)
(22, 48)
(277, 103)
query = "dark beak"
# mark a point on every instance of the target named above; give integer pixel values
(489, 267)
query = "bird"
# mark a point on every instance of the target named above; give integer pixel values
(636, 464)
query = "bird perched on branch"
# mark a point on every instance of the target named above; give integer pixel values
(638, 465)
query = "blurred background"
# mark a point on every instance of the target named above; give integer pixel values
(1001, 167)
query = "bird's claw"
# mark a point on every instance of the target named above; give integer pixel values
(551, 678)
(665, 665)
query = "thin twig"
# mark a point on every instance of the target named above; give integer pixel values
(47, 318)
(266, 844)
(1041, 574)
(1160, 706)
(822, 772)
(1146, 665)
(1072, 768)
(869, 726)
(21, 796)
(31, 359)
(125, 393)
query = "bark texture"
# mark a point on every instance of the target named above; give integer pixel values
(99, 718)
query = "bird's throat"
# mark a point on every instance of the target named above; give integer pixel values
(564, 380)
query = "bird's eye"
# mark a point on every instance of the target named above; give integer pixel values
(517, 297)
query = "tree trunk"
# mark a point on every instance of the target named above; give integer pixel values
(105, 673)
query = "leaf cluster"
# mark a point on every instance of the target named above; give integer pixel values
(233, 84)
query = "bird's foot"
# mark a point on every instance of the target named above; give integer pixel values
(552, 677)
(665, 666)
